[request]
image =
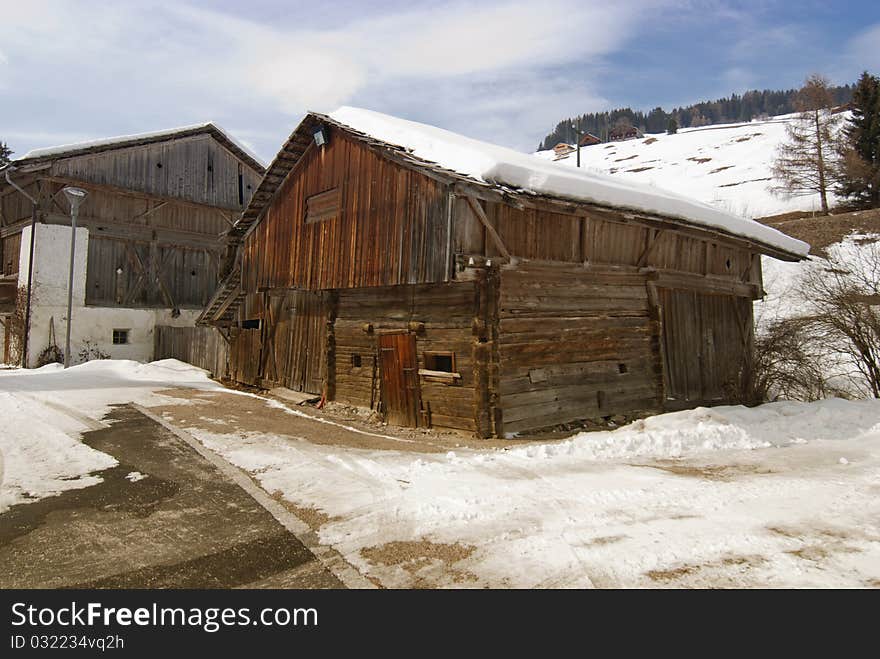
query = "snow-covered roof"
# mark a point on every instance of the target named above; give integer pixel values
(506, 167)
(139, 138)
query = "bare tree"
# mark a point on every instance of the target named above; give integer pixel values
(805, 161)
(844, 297)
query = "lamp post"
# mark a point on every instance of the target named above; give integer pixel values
(75, 196)
(579, 134)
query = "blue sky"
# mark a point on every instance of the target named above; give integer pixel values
(504, 71)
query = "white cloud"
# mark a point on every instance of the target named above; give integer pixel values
(139, 66)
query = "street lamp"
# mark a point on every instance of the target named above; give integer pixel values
(75, 196)
(579, 134)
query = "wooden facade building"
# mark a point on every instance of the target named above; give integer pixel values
(152, 234)
(369, 275)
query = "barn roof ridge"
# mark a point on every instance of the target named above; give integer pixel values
(45, 154)
(768, 239)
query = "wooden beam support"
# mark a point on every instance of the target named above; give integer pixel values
(490, 230)
(653, 240)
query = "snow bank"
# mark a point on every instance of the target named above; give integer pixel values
(41, 453)
(593, 510)
(678, 434)
(503, 166)
(45, 410)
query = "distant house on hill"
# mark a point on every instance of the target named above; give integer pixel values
(562, 149)
(622, 133)
(588, 139)
(149, 238)
(443, 281)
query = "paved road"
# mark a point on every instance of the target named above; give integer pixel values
(185, 525)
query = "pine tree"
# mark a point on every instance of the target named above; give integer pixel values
(5, 153)
(672, 126)
(805, 161)
(860, 152)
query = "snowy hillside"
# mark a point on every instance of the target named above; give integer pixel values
(726, 165)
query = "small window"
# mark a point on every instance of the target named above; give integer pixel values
(355, 361)
(323, 206)
(253, 323)
(443, 362)
(120, 337)
(621, 368)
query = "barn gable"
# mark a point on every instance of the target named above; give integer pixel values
(199, 165)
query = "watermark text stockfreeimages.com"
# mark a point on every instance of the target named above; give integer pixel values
(209, 619)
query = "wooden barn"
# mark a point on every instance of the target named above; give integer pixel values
(448, 282)
(588, 139)
(149, 243)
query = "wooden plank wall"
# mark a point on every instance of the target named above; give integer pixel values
(295, 341)
(706, 341)
(447, 312)
(244, 357)
(575, 343)
(11, 251)
(392, 227)
(600, 237)
(130, 273)
(196, 169)
(199, 346)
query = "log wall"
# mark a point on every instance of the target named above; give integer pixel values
(575, 343)
(447, 313)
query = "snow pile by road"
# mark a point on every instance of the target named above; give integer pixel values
(678, 434)
(600, 509)
(727, 166)
(45, 410)
(671, 500)
(495, 164)
(41, 453)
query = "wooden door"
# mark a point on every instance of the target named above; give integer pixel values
(398, 368)
(307, 342)
(706, 345)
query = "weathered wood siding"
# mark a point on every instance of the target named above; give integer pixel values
(447, 312)
(601, 237)
(196, 169)
(131, 273)
(199, 346)
(11, 249)
(391, 228)
(706, 346)
(575, 343)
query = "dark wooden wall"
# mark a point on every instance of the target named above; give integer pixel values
(131, 273)
(447, 312)
(196, 169)
(706, 346)
(392, 227)
(602, 237)
(575, 344)
(11, 251)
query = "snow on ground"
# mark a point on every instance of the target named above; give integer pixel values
(727, 166)
(495, 164)
(781, 495)
(600, 509)
(45, 410)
